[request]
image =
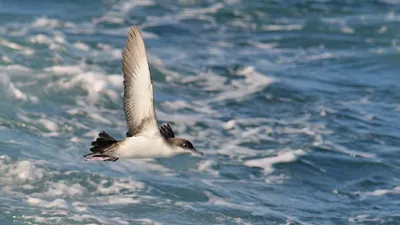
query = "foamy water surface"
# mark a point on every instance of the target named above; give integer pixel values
(294, 103)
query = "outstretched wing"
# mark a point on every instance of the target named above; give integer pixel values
(166, 131)
(138, 89)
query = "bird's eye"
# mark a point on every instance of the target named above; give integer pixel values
(185, 145)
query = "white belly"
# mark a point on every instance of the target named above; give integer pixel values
(143, 147)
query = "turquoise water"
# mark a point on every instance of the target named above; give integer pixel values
(294, 103)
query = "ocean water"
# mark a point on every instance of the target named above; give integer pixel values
(296, 105)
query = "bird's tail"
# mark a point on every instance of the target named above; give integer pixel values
(100, 148)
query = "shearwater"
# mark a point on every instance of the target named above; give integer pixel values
(144, 138)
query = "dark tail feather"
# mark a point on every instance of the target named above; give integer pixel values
(100, 146)
(103, 142)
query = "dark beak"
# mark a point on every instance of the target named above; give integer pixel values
(197, 152)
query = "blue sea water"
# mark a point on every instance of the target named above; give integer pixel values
(296, 105)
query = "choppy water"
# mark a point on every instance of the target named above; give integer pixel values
(295, 104)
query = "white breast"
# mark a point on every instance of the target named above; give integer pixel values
(143, 147)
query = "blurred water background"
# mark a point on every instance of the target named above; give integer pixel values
(294, 103)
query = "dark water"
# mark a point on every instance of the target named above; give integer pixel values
(295, 104)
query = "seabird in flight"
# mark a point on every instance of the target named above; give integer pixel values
(144, 138)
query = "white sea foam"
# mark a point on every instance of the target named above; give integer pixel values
(234, 150)
(264, 46)
(41, 39)
(189, 13)
(64, 70)
(276, 179)
(176, 105)
(180, 104)
(10, 89)
(240, 221)
(209, 81)
(118, 220)
(95, 82)
(380, 192)
(119, 185)
(364, 218)
(97, 117)
(85, 218)
(81, 46)
(57, 203)
(129, 5)
(218, 201)
(61, 188)
(307, 56)
(207, 166)
(283, 27)
(239, 89)
(21, 49)
(48, 124)
(59, 37)
(382, 29)
(75, 139)
(147, 221)
(229, 125)
(45, 22)
(325, 55)
(256, 129)
(340, 148)
(114, 53)
(80, 206)
(243, 24)
(20, 171)
(118, 200)
(119, 11)
(282, 157)
(347, 30)
(108, 19)
(52, 198)
(6, 59)
(10, 44)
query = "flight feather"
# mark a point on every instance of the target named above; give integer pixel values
(138, 89)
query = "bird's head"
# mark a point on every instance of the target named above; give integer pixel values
(183, 146)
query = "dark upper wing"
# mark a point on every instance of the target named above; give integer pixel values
(166, 131)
